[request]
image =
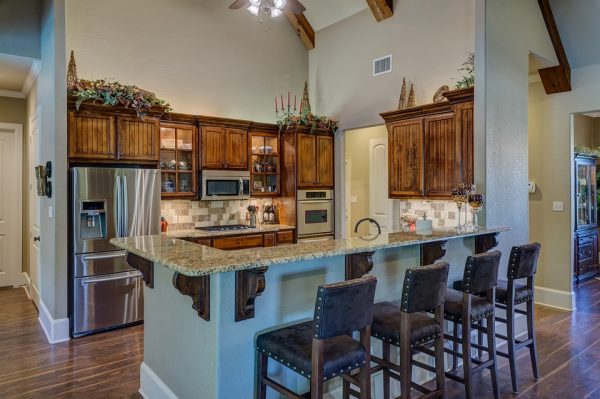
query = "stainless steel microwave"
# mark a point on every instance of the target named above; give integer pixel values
(224, 185)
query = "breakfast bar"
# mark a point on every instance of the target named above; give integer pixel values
(204, 306)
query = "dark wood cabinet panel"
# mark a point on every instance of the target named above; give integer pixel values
(405, 159)
(306, 154)
(324, 161)
(92, 136)
(236, 154)
(239, 242)
(440, 156)
(285, 237)
(213, 147)
(269, 240)
(431, 147)
(139, 139)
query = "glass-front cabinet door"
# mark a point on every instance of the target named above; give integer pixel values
(585, 192)
(178, 160)
(264, 166)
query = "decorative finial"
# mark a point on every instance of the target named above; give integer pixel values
(412, 101)
(305, 103)
(402, 101)
(72, 72)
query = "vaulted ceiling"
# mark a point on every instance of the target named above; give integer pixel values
(323, 13)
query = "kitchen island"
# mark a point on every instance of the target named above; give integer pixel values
(201, 344)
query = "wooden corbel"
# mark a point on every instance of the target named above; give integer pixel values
(198, 288)
(248, 285)
(357, 265)
(431, 252)
(485, 242)
(145, 266)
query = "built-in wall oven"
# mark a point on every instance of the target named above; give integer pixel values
(225, 185)
(315, 214)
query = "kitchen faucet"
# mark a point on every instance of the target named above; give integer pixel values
(370, 220)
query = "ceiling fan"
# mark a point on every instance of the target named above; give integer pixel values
(273, 8)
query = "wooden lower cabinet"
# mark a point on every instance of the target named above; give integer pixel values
(244, 241)
(586, 253)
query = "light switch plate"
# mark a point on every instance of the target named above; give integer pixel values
(558, 206)
(353, 199)
(50, 212)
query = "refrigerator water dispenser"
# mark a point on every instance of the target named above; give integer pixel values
(92, 223)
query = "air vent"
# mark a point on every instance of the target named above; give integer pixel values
(382, 65)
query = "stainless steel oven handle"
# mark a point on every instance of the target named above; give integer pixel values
(111, 255)
(241, 190)
(303, 202)
(111, 277)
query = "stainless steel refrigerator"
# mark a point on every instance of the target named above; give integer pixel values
(106, 203)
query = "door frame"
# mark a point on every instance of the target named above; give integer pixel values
(34, 287)
(16, 275)
(390, 205)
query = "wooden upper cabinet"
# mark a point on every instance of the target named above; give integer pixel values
(431, 147)
(306, 154)
(441, 155)
(405, 159)
(324, 146)
(92, 136)
(139, 139)
(236, 154)
(213, 147)
(224, 148)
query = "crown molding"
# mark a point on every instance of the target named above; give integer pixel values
(34, 72)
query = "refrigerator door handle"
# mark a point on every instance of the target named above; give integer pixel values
(124, 208)
(118, 207)
(110, 277)
(113, 255)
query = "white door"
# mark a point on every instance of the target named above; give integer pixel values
(34, 209)
(10, 204)
(380, 206)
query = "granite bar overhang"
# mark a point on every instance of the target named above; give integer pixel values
(194, 260)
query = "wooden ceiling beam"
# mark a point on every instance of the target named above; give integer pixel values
(303, 28)
(381, 9)
(556, 79)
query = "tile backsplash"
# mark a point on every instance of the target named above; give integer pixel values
(191, 214)
(442, 213)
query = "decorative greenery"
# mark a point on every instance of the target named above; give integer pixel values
(287, 120)
(468, 66)
(582, 149)
(113, 93)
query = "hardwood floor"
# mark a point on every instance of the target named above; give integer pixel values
(107, 365)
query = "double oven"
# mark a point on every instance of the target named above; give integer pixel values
(315, 215)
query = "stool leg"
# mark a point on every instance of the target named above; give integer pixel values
(491, 347)
(345, 389)
(439, 366)
(455, 345)
(365, 372)
(466, 352)
(261, 372)
(510, 334)
(531, 335)
(480, 340)
(405, 356)
(316, 378)
(386, 373)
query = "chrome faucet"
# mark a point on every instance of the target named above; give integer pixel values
(370, 220)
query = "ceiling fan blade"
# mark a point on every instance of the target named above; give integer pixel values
(239, 4)
(294, 6)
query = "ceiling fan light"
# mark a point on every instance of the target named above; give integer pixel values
(253, 10)
(255, 3)
(279, 4)
(275, 12)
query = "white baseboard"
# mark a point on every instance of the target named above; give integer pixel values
(56, 330)
(562, 300)
(151, 386)
(35, 295)
(26, 284)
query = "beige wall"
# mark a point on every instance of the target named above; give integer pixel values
(428, 40)
(551, 166)
(12, 110)
(357, 150)
(583, 130)
(197, 54)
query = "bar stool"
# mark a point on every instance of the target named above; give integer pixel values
(323, 348)
(409, 327)
(521, 265)
(467, 310)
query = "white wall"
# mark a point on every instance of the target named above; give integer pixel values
(428, 40)
(552, 169)
(508, 30)
(197, 54)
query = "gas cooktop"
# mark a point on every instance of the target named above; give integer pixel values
(226, 228)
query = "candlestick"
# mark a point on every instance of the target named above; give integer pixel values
(288, 99)
(294, 103)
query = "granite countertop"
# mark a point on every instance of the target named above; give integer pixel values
(260, 228)
(198, 260)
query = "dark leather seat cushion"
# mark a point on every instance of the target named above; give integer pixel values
(386, 325)
(292, 347)
(522, 292)
(480, 308)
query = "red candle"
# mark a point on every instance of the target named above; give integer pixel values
(294, 102)
(276, 110)
(282, 102)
